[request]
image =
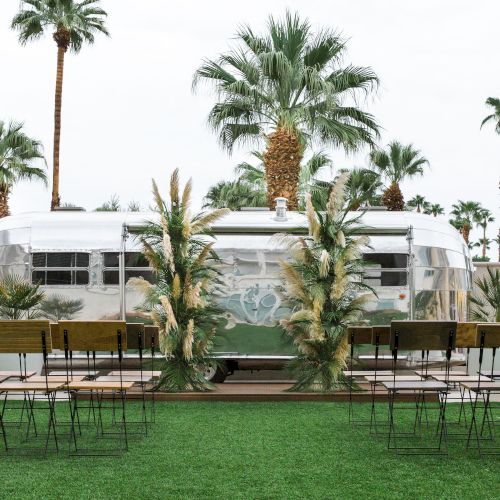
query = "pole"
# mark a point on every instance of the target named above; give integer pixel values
(121, 272)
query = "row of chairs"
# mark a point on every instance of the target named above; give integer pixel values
(102, 399)
(424, 386)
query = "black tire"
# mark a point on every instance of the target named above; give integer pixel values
(220, 374)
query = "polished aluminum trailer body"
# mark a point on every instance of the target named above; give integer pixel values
(418, 264)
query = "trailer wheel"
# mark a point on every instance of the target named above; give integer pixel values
(216, 373)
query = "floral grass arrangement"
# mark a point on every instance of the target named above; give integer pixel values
(178, 248)
(323, 282)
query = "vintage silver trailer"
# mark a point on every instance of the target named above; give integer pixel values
(418, 264)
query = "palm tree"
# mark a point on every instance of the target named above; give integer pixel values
(434, 209)
(234, 195)
(19, 299)
(362, 189)
(396, 164)
(493, 102)
(419, 202)
(323, 282)
(17, 153)
(486, 303)
(288, 89)
(482, 219)
(255, 175)
(497, 241)
(179, 250)
(73, 23)
(465, 213)
(59, 307)
(112, 205)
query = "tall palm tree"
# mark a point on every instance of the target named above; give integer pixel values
(396, 164)
(434, 209)
(497, 241)
(255, 175)
(419, 202)
(465, 213)
(17, 154)
(482, 219)
(72, 23)
(494, 103)
(288, 89)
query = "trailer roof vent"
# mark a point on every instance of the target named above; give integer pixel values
(280, 208)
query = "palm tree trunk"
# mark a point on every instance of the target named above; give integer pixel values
(393, 198)
(4, 201)
(465, 232)
(282, 164)
(61, 37)
(484, 242)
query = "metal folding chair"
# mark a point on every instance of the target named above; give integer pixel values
(420, 335)
(483, 423)
(92, 336)
(28, 337)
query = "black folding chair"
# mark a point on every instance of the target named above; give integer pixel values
(425, 336)
(92, 336)
(28, 337)
(483, 423)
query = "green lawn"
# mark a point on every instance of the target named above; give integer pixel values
(253, 450)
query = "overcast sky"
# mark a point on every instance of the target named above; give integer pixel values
(129, 113)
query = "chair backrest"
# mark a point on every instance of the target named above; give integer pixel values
(359, 335)
(152, 333)
(134, 331)
(25, 336)
(423, 335)
(57, 338)
(488, 335)
(94, 335)
(466, 335)
(383, 333)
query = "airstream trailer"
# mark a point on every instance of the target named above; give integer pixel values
(418, 264)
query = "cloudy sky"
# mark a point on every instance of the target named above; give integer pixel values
(129, 113)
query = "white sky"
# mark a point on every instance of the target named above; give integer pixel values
(129, 113)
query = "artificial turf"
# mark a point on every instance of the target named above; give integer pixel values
(253, 450)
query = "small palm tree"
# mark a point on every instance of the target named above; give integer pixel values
(323, 282)
(396, 164)
(494, 103)
(17, 154)
(419, 202)
(179, 251)
(464, 214)
(19, 299)
(112, 205)
(72, 23)
(482, 219)
(287, 88)
(362, 189)
(486, 303)
(58, 307)
(434, 209)
(235, 195)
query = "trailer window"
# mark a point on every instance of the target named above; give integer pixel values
(136, 266)
(60, 268)
(386, 269)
